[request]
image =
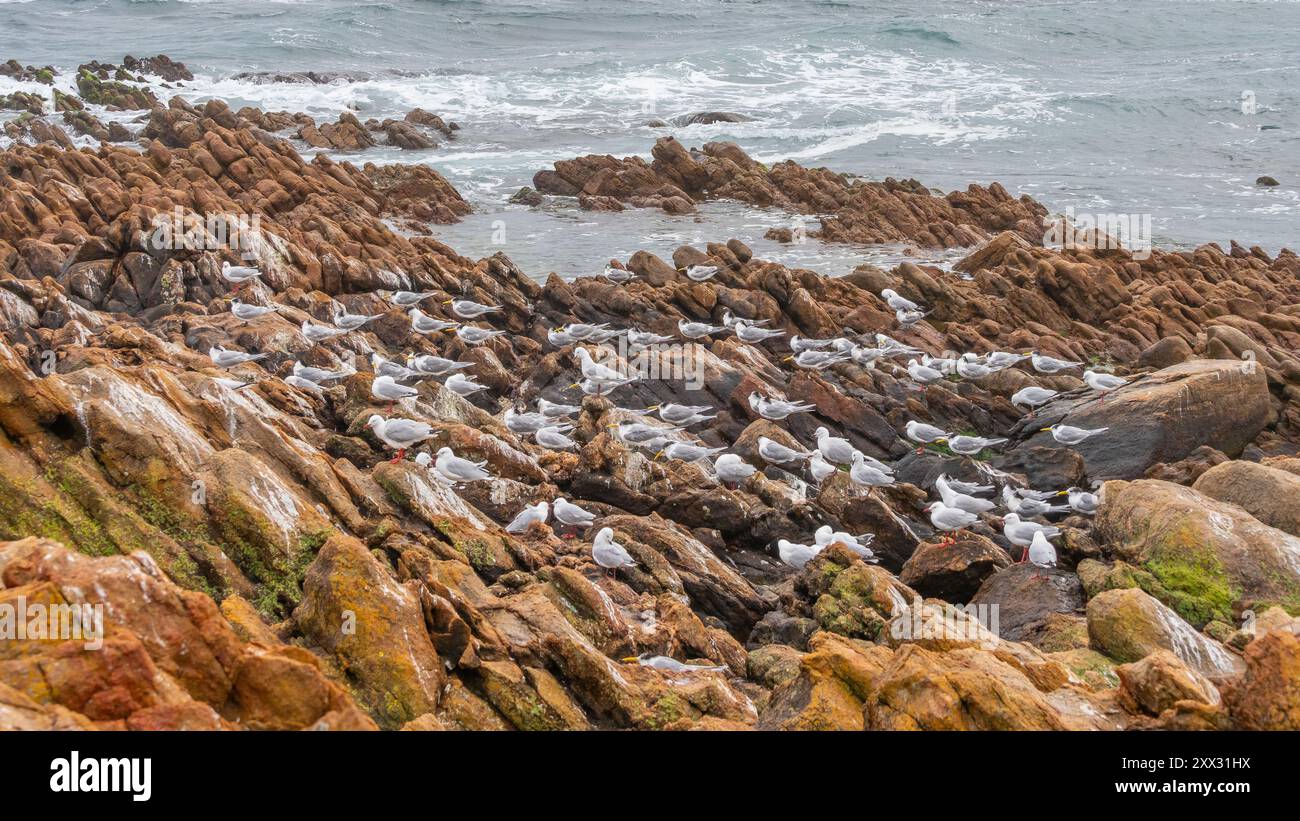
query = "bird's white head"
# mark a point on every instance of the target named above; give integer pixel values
(374, 421)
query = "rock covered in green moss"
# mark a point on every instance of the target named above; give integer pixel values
(1128, 625)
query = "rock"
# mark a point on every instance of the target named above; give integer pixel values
(1128, 625)
(1267, 696)
(527, 196)
(780, 628)
(1027, 596)
(709, 118)
(1169, 351)
(1266, 181)
(1163, 417)
(1211, 557)
(1159, 681)
(953, 572)
(1265, 492)
(834, 678)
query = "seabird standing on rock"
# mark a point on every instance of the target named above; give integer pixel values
(422, 323)
(1041, 553)
(819, 467)
(319, 375)
(965, 487)
(1021, 534)
(1028, 507)
(950, 520)
(638, 433)
(524, 423)
(474, 335)
(526, 517)
(462, 385)
(644, 339)
(923, 374)
(408, 299)
(777, 409)
(385, 388)
(864, 473)
(239, 275)
(962, 501)
(618, 276)
(455, 469)
(970, 445)
(672, 665)
(701, 273)
(1081, 501)
(898, 303)
(319, 333)
(555, 410)
(818, 360)
(581, 330)
(399, 434)
(1103, 382)
(836, 449)
(826, 536)
(753, 334)
(779, 454)
(245, 311)
(907, 319)
(686, 452)
(229, 359)
(350, 322)
(387, 367)
(1001, 360)
(469, 309)
(684, 415)
(1049, 364)
(1070, 435)
(697, 330)
(732, 470)
(972, 368)
(924, 434)
(427, 365)
(608, 553)
(794, 554)
(552, 438)
(1031, 397)
(799, 344)
(567, 513)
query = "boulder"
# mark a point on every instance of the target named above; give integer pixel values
(1027, 596)
(1129, 625)
(1267, 493)
(1267, 696)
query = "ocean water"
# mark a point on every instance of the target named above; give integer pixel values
(1153, 107)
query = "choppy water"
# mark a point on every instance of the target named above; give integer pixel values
(1131, 107)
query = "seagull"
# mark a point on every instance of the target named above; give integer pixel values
(618, 276)
(608, 553)
(684, 415)
(777, 409)
(924, 434)
(1031, 397)
(319, 375)
(819, 467)
(350, 322)
(228, 359)
(966, 487)
(644, 339)
(970, 445)
(1001, 360)
(1028, 507)
(473, 335)
(953, 498)
(697, 330)
(866, 357)
(1070, 435)
(387, 367)
(559, 338)
(232, 384)
(1041, 553)
(455, 469)
(799, 345)
(944, 365)
(834, 448)
(970, 369)
(730, 321)
(1040, 495)
(524, 423)
(532, 513)
(1082, 501)
(796, 555)
(239, 275)
(567, 513)
(907, 319)
(320, 333)
(462, 385)
(469, 309)
(864, 473)
(687, 452)
(581, 330)
(671, 665)
(593, 370)
(950, 520)
(387, 389)
(552, 437)
(701, 273)
(245, 311)
(399, 434)
(422, 323)
(428, 365)
(1021, 534)
(897, 302)
(922, 374)
(818, 360)
(1103, 382)
(779, 454)
(555, 410)
(893, 347)
(826, 536)
(638, 433)
(408, 299)
(747, 332)
(732, 470)
(1048, 364)
(304, 384)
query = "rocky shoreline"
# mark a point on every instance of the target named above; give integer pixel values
(263, 563)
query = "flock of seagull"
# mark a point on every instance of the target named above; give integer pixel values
(959, 506)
